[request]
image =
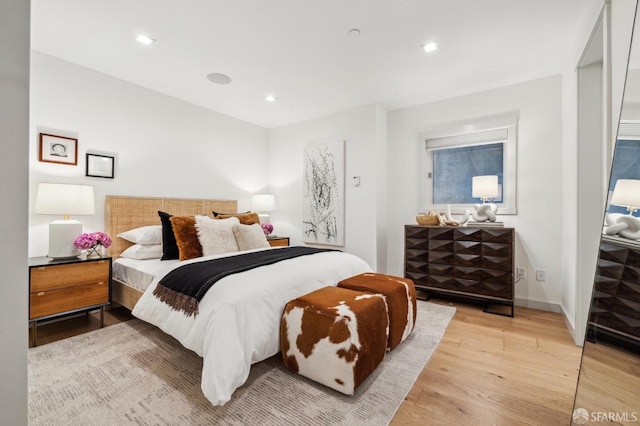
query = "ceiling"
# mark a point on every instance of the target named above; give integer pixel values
(299, 50)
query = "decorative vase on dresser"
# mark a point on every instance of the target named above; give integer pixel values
(471, 262)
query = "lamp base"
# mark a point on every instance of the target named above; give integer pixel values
(625, 226)
(62, 234)
(264, 218)
(485, 212)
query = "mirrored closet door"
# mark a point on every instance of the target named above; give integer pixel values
(608, 388)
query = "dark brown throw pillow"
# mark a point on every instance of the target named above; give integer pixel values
(184, 229)
(169, 246)
(216, 214)
(248, 218)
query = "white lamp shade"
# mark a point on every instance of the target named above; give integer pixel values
(263, 203)
(484, 186)
(626, 193)
(64, 199)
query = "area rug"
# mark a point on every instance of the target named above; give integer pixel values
(133, 373)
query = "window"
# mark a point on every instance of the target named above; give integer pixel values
(625, 160)
(455, 154)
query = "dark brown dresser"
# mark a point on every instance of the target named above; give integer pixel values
(463, 261)
(615, 306)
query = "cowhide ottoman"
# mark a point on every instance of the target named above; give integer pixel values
(334, 336)
(400, 294)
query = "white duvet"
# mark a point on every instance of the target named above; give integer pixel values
(239, 318)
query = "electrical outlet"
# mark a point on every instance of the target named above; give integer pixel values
(521, 273)
(541, 275)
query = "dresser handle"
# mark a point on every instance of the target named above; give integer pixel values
(100, 282)
(41, 268)
(100, 262)
(41, 293)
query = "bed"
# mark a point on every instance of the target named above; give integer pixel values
(123, 213)
(238, 319)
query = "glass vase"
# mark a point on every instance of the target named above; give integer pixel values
(94, 252)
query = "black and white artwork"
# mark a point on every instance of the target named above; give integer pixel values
(323, 193)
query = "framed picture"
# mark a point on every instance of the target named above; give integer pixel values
(99, 165)
(58, 149)
(323, 193)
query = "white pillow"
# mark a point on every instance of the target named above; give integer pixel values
(151, 234)
(250, 237)
(143, 251)
(216, 235)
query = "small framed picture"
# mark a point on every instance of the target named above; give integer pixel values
(99, 165)
(58, 149)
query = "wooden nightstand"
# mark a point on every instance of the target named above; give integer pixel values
(278, 241)
(61, 287)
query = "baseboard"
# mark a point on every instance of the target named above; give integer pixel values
(549, 307)
(570, 327)
(537, 304)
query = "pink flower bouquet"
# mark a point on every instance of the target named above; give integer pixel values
(267, 228)
(92, 241)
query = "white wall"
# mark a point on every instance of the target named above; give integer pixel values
(382, 174)
(632, 93)
(164, 147)
(569, 183)
(360, 128)
(622, 20)
(14, 136)
(539, 174)
(580, 243)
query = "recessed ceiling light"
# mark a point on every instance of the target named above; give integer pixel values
(219, 78)
(432, 46)
(145, 39)
(354, 33)
(270, 98)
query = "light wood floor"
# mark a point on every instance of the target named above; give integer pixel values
(494, 370)
(614, 372)
(487, 370)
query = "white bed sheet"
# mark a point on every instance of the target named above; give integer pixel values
(239, 318)
(140, 273)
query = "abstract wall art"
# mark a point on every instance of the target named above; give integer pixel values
(323, 193)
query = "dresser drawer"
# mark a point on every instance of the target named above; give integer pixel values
(52, 277)
(51, 302)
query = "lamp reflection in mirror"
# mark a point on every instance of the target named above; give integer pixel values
(487, 189)
(262, 204)
(626, 193)
(65, 200)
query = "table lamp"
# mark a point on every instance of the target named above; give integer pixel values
(626, 193)
(486, 188)
(65, 200)
(263, 203)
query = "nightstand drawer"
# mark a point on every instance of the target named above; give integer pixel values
(279, 242)
(51, 302)
(51, 277)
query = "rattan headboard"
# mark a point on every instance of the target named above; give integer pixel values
(123, 213)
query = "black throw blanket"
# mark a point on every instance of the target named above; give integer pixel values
(184, 287)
